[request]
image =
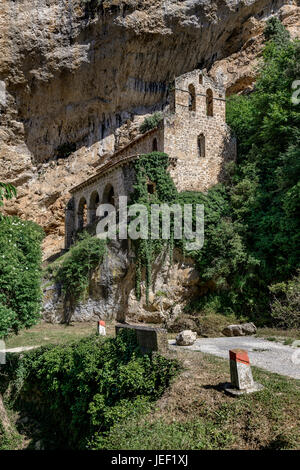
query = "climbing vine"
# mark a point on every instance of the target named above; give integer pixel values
(73, 273)
(151, 170)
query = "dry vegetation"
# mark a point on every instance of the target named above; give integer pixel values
(195, 413)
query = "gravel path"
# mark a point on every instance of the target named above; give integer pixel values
(20, 349)
(269, 355)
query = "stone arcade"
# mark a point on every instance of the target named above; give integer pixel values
(193, 133)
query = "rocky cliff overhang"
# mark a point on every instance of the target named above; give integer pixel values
(76, 75)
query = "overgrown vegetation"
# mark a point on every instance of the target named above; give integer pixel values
(20, 274)
(7, 191)
(73, 273)
(252, 221)
(151, 122)
(285, 307)
(263, 191)
(87, 387)
(151, 168)
(196, 414)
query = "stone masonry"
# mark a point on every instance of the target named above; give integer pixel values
(193, 133)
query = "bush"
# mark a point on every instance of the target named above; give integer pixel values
(286, 303)
(20, 274)
(74, 271)
(196, 434)
(83, 389)
(151, 122)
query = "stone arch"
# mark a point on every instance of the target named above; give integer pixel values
(192, 98)
(154, 145)
(201, 146)
(108, 195)
(209, 102)
(82, 214)
(94, 203)
(69, 223)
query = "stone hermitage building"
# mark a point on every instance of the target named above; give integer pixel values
(193, 133)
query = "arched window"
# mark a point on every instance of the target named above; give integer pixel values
(209, 103)
(201, 79)
(109, 195)
(192, 98)
(154, 145)
(94, 203)
(201, 145)
(82, 214)
(151, 187)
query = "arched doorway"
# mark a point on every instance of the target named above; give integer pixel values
(109, 195)
(209, 103)
(94, 203)
(154, 145)
(82, 214)
(192, 98)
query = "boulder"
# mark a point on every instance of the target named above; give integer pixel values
(186, 338)
(245, 329)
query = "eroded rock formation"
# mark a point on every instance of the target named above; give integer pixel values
(77, 77)
(112, 290)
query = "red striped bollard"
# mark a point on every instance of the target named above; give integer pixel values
(101, 328)
(241, 374)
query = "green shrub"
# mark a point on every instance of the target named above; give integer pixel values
(7, 191)
(264, 187)
(197, 434)
(151, 122)
(74, 271)
(151, 167)
(83, 389)
(285, 306)
(20, 274)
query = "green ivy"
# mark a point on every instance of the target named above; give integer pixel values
(73, 273)
(152, 168)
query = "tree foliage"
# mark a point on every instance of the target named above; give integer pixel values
(251, 221)
(73, 273)
(20, 274)
(151, 168)
(151, 122)
(255, 243)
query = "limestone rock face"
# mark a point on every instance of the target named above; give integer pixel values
(77, 78)
(186, 338)
(245, 329)
(112, 291)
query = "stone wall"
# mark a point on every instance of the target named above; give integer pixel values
(198, 169)
(121, 178)
(194, 132)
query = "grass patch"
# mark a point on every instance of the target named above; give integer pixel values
(287, 337)
(196, 414)
(48, 333)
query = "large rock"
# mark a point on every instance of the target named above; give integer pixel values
(245, 329)
(111, 293)
(186, 338)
